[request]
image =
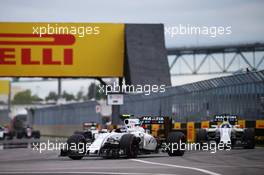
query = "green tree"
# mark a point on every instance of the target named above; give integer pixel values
(93, 92)
(52, 96)
(80, 95)
(36, 98)
(25, 97)
(67, 96)
(99, 95)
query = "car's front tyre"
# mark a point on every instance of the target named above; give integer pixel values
(249, 138)
(76, 146)
(175, 141)
(129, 144)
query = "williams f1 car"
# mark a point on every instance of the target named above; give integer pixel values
(127, 141)
(227, 133)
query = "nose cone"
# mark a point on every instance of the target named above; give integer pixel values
(225, 135)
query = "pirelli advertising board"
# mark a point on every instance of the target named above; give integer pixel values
(61, 49)
(4, 87)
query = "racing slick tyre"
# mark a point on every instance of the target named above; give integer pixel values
(129, 144)
(20, 134)
(36, 134)
(249, 138)
(201, 136)
(175, 139)
(76, 141)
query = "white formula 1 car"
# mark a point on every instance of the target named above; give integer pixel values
(227, 133)
(2, 133)
(5, 133)
(127, 141)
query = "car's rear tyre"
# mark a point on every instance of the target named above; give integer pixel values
(36, 134)
(249, 138)
(129, 144)
(20, 134)
(201, 136)
(76, 141)
(174, 140)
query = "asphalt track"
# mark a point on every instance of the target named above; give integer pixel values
(236, 161)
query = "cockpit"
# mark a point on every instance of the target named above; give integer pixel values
(121, 130)
(226, 125)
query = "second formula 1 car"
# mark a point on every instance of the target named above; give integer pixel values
(227, 133)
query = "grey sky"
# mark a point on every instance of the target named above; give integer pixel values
(244, 16)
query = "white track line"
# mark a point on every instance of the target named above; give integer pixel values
(69, 172)
(177, 166)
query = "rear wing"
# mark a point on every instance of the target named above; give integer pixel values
(232, 119)
(149, 120)
(152, 120)
(89, 125)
